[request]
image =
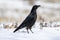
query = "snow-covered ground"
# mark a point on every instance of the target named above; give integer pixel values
(46, 33)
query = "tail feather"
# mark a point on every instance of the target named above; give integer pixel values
(20, 27)
(16, 29)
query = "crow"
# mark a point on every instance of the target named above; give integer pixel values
(30, 20)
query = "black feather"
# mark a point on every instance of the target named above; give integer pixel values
(30, 19)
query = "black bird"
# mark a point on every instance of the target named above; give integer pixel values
(30, 19)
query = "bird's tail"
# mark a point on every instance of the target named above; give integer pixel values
(16, 29)
(20, 27)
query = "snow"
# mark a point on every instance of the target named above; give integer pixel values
(46, 33)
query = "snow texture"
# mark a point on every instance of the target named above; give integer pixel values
(46, 33)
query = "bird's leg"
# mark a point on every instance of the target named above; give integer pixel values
(27, 30)
(31, 30)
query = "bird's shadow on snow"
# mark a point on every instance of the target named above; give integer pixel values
(21, 31)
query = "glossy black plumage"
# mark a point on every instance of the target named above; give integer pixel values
(30, 19)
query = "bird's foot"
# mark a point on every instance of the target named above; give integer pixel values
(32, 32)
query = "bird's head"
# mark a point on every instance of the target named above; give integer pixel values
(36, 6)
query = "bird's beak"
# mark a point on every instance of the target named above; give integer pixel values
(42, 6)
(38, 5)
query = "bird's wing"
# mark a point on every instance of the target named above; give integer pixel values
(28, 19)
(24, 23)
